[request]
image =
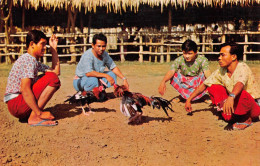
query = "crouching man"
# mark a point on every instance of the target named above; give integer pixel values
(90, 71)
(27, 92)
(232, 89)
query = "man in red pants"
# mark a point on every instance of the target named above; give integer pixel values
(232, 89)
(26, 92)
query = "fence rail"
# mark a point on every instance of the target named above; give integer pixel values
(157, 45)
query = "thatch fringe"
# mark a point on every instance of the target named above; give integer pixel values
(118, 6)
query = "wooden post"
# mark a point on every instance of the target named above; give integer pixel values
(168, 57)
(169, 19)
(122, 54)
(23, 16)
(23, 42)
(203, 45)
(245, 47)
(89, 26)
(44, 60)
(156, 57)
(150, 50)
(150, 56)
(223, 38)
(162, 57)
(141, 58)
(23, 23)
(6, 50)
(85, 42)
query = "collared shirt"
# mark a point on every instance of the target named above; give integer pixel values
(26, 66)
(200, 65)
(241, 74)
(88, 63)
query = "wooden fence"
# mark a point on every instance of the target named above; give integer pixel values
(158, 47)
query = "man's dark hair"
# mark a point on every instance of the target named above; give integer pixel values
(235, 49)
(189, 45)
(35, 36)
(99, 36)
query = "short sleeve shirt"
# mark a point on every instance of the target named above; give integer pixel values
(26, 66)
(200, 65)
(88, 63)
(241, 74)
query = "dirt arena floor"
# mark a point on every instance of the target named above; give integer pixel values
(105, 138)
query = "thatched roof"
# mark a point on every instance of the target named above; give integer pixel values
(121, 5)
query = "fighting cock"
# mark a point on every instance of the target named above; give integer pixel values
(98, 94)
(132, 103)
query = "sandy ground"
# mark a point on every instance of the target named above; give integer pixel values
(105, 138)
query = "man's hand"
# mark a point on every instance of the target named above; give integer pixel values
(162, 88)
(126, 84)
(46, 115)
(228, 107)
(53, 42)
(188, 106)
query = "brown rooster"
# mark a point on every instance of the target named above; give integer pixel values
(132, 103)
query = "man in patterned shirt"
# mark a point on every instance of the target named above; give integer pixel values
(26, 92)
(188, 72)
(232, 89)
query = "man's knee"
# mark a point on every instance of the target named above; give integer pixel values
(54, 80)
(90, 83)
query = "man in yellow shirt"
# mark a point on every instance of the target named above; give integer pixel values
(232, 89)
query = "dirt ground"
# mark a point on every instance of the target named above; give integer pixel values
(105, 138)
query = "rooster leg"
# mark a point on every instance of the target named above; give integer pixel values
(136, 118)
(90, 111)
(83, 110)
(139, 118)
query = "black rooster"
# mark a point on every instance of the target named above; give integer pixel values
(132, 103)
(98, 94)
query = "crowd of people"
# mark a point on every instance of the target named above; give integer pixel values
(231, 88)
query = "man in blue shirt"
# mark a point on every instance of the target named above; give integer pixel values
(91, 67)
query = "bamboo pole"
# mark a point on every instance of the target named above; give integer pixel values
(223, 38)
(6, 50)
(203, 45)
(122, 55)
(150, 49)
(141, 58)
(156, 57)
(168, 56)
(161, 50)
(85, 42)
(169, 19)
(245, 47)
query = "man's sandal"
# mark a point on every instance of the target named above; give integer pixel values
(237, 125)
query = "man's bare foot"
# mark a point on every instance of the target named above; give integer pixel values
(35, 120)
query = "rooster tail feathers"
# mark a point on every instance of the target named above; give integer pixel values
(158, 102)
(73, 98)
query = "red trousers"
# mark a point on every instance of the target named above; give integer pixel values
(18, 107)
(244, 103)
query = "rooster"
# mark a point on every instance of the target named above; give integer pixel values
(132, 103)
(98, 94)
